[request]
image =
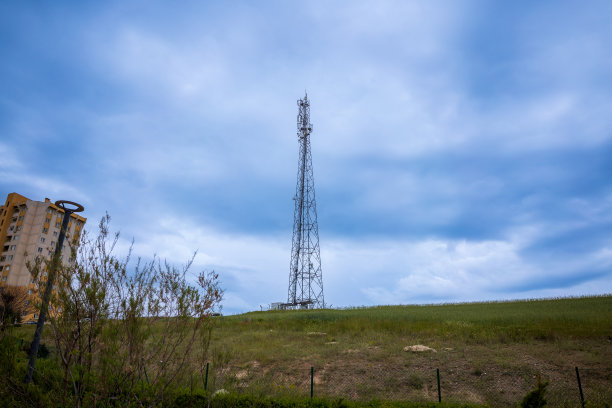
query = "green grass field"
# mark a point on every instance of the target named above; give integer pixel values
(487, 353)
(490, 353)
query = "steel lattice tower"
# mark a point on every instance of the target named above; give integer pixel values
(305, 277)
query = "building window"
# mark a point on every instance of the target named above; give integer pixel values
(11, 228)
(20, 217)
(39, 249)
(55, 233)
(48, 220)
(57, 224)
(18, 228)
(7, 268)
(52, 243)
(4, 278)
(16, 237)
(49, 211)
(2, 259)
(42, 239)
(13, 247)
(9, 258)
(45, 230)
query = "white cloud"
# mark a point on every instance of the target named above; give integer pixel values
(254, 269)
(166, 106)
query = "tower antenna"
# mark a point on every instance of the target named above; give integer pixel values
(305, 277)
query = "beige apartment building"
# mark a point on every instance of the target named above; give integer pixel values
(29, 229)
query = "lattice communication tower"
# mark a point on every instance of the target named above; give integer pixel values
(305, 277)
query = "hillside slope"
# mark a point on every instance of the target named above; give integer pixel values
(490, 353)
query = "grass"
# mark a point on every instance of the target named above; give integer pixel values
(487, 353)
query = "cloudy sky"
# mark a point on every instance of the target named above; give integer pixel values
(461, 149)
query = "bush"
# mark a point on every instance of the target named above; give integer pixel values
(43, 351)
(124, 332)
(14, 303)
(535, 398)
(191, 400)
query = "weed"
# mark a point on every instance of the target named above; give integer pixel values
(415, 381)
(535, 398)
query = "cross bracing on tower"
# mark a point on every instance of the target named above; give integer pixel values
(305, 277)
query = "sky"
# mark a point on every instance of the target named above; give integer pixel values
(461, 149)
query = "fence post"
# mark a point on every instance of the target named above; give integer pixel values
(439, 392)
(580, 388)
(206, 377)
(311, 381)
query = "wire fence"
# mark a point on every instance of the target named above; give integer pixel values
(568, 387)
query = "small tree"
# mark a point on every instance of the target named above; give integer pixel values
(125, 333)
(15, 302)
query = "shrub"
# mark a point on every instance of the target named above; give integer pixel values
(124, 333)
(14, 303)
(535, 398)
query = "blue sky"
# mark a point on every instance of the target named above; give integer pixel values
(461, 149)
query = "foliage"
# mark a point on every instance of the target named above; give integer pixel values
(124, 334)
(227, 400)
(535, 398)
(15, 302)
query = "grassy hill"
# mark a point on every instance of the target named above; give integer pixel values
(489, 353)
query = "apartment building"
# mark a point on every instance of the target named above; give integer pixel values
(29, 229)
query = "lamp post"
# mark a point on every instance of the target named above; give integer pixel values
(56, 262)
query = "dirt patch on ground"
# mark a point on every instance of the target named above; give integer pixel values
(498, 375)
